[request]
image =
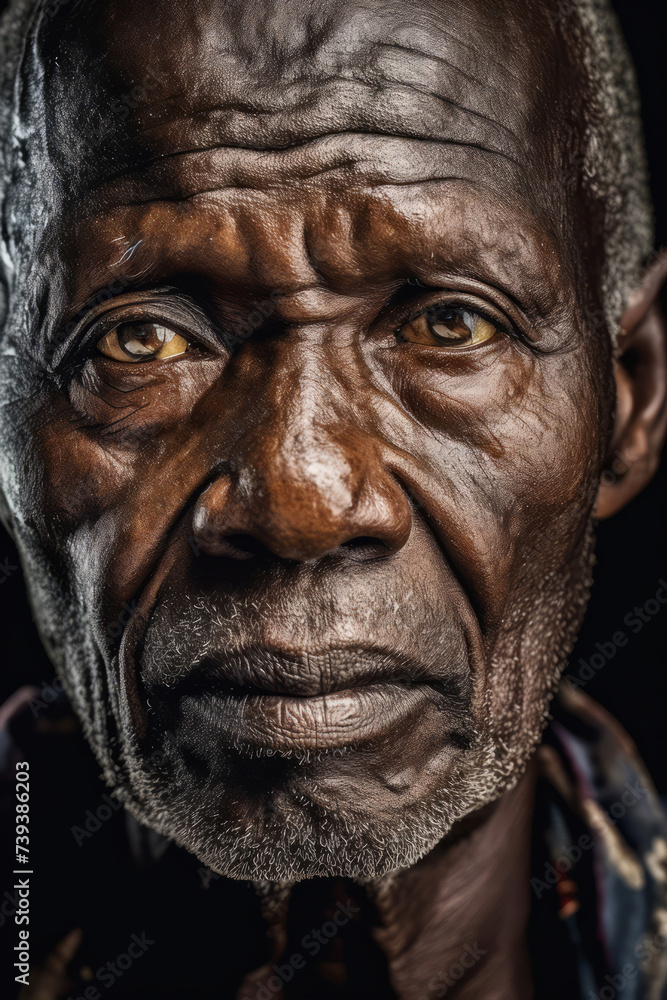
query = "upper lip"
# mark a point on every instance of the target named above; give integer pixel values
(260, 670)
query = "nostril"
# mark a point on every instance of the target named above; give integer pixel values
(362, 542)
(364, 547)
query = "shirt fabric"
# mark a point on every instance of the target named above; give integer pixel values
(598, 926)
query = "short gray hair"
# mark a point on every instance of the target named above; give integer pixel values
(613, 167)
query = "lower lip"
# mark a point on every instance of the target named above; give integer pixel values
(322, 722)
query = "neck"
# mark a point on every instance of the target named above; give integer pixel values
(454, 924)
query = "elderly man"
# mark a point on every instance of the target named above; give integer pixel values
(320, 326)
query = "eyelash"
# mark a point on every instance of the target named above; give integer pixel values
(502, 324)
(83, 343)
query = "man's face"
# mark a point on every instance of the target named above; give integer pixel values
(304, 428)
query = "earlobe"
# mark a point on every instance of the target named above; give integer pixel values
(641, 390)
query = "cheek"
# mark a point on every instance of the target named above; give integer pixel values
(497, 452)
(506, 448)
(106, 474)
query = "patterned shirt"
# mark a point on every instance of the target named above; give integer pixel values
(598, 926)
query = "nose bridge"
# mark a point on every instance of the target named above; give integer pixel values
(298, 458)
(306, 475)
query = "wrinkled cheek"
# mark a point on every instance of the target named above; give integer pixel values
(508, 474)
(99, 516)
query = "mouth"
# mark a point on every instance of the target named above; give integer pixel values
(319, 701)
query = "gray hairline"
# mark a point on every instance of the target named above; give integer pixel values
(614, 166)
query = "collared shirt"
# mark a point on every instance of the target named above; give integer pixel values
(601, 855)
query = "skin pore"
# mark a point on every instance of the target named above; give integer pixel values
(354, 546)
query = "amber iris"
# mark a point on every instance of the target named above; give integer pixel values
(141, 342)
(448, 326)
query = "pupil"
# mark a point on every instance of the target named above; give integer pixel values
(143, 340)
(451, 324)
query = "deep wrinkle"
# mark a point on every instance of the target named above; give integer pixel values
(323, 492)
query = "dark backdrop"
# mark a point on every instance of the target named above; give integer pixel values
(632, 547)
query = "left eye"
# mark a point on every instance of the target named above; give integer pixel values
(448, 326)
(141, 342)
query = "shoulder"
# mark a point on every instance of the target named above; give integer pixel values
(601, 779)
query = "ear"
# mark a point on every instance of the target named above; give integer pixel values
(641, 389)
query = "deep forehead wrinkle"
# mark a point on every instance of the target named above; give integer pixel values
(355, 93)
(331, 102)
(351, 79)
(350, 28)
(444, 60)
(353, 160)
(343, 123)
(470, 47)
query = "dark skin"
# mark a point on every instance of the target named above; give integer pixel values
(372, 498)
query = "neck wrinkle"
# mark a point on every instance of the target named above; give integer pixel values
(458, 919)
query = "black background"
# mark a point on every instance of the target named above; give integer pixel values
(631, 549)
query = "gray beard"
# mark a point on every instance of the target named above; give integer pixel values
(302, 839)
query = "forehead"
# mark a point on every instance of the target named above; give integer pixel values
(419, 105)
(234, 44)
(270, 74)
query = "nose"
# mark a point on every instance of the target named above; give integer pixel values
(301, 486)
(301, 519)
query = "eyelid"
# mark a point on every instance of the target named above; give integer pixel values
(464, 293)
(467, 302)
(162, 307)
(97, 331)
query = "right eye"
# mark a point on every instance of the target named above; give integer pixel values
(142, 342)
(448, 326)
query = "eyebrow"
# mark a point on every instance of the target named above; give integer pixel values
(524, 282)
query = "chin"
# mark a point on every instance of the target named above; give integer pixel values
(301, 816)
(254, 801)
